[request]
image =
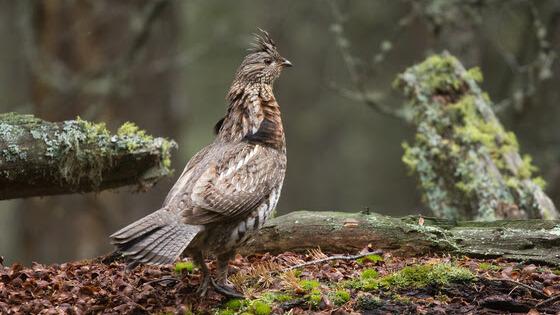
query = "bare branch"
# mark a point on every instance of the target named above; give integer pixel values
(352, 63)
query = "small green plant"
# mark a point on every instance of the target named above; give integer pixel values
(340, 297)
(308, 285)
(186, 266)
(374, 258)
(259, 307)
(488, 266)
(314, 297)
(369, 274)
(271, 297)
(235, 304)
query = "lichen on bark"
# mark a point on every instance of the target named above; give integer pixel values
(76, 156)
(468, 164)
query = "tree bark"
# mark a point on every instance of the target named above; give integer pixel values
(39, 158)
(525, 240)
(468, 165)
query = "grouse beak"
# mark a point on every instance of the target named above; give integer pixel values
(287, 63)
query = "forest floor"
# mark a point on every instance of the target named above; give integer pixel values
(374, 284)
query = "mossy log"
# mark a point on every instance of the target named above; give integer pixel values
(468, 165)
(39, 158)
(523, 240)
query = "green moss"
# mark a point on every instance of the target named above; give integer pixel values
(82, 150)
(133, 136)
(488, 266)
(369, 274)
(374, 258)
(186, 266)
(235, 304)
(260, 308)
(424, 275)
(309, 284)
(340, 297)
(368, 281)
(262, 305)
(271, 297)
(475, 74)
(412, 277)
(314, 297)
(166, 147)
(19, 119)
(434, 74)
(539, 181)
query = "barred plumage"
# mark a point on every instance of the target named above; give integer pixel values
(229, 188)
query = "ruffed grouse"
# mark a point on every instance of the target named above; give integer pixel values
(229, 188)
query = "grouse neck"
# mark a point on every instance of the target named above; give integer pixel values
(253, 115)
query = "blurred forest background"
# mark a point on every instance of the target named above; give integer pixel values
(167, 64)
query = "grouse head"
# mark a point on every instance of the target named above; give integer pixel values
(263, 64)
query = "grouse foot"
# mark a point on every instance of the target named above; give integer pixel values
(227, 290)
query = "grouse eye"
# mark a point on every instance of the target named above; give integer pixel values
(267, 61)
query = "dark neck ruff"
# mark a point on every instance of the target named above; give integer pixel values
(253, 115)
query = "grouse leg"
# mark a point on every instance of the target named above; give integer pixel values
(223, 286)
(206, 278)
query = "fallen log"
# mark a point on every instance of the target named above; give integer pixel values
(522, 240)
(39, 158)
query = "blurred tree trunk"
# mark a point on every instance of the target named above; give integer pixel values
(14, 95)
(468, 165)
(97, 60)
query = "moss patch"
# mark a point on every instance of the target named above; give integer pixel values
(424, 275)
(309, 284)
(184, 266)
(339, 297)
(374, 258)
(488, 266)
(418, 276)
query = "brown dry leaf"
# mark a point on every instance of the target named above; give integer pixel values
(550, 290)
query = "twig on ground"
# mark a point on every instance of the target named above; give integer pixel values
(322, 260)
(548, 301)
(164, 279)
(536, 291)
